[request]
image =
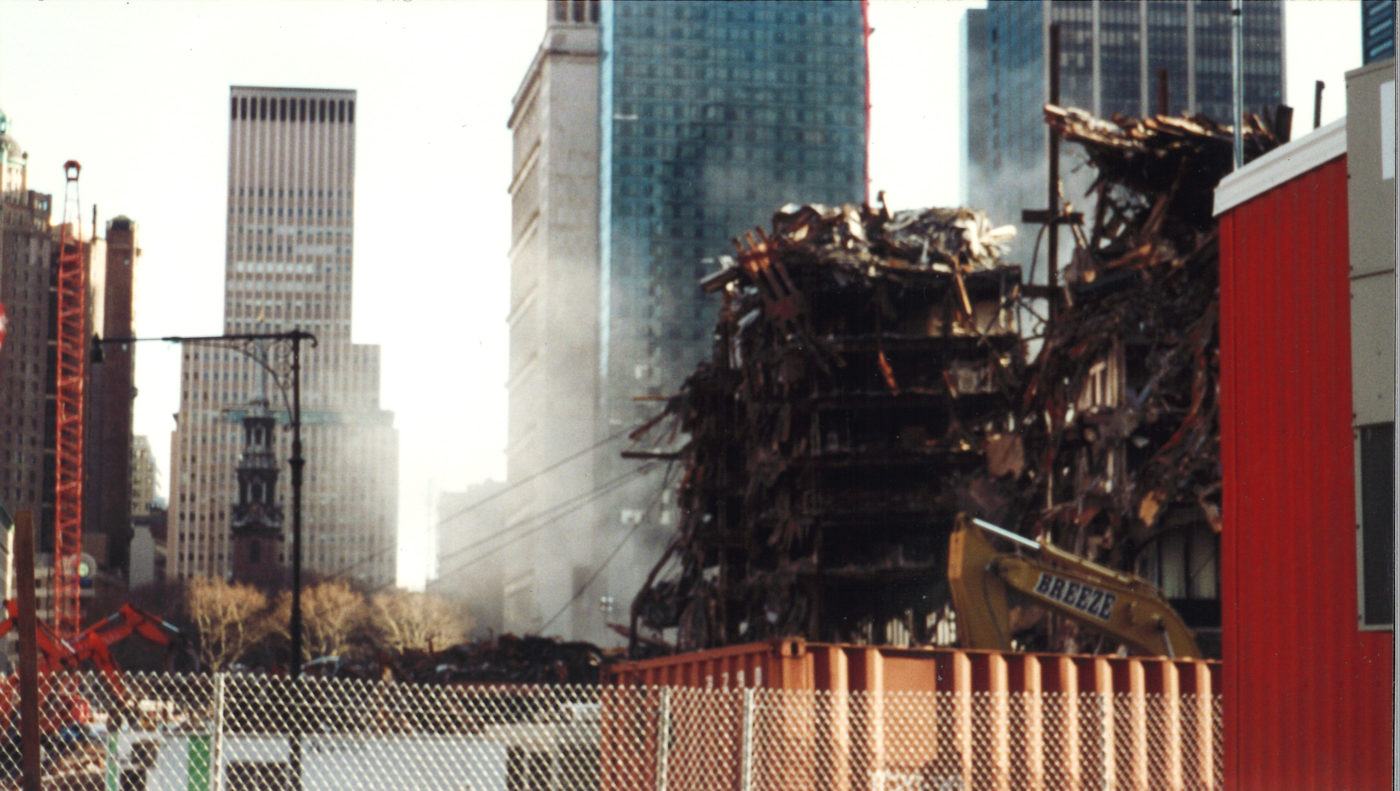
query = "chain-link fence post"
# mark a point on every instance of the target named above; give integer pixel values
(663, 738)
(216, 734)
(295, 710)
(746, 757)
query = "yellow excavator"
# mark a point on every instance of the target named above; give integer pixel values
(1122, 606)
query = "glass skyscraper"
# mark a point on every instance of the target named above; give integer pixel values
(1111, 58)
(712, 116)
(1377, 30)
(708, 117)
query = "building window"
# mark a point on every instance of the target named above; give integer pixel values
(1375, 450)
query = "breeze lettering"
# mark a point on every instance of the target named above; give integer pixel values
(1084, 598)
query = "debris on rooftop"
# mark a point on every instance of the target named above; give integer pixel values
(863, 362)
(869, 381)
(1119, 413)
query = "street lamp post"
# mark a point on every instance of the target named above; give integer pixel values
(242, 343)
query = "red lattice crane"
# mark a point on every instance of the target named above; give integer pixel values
(68, 468)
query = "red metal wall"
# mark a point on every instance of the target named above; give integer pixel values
(849, 738)
(1308, 696)
(795, 664)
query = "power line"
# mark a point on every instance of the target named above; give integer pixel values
(517, 484)
(566, 507)
(666, 479)
(473, 506)
(559, 509)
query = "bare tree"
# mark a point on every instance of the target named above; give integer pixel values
(331, 614)
(229, 619)
(407, 621)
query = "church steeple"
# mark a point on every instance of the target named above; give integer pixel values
(257, 517)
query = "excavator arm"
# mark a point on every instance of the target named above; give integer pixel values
(54, 653)
(1125, 607)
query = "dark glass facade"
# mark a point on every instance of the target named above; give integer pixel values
(1377, 30)
(1111, 56)
(712, 116)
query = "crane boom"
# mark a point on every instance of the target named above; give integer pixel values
(68, 451)
(1122, 606)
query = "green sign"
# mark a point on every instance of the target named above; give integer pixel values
(199, 771)
(114, 771)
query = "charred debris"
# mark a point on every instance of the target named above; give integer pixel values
(863, 361)
(869, 380)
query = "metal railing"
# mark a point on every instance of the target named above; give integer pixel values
(237, 732)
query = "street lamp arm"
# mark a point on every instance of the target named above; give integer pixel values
(289, 335)
(241, 343)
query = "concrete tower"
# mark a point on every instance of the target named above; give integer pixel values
(647, 135)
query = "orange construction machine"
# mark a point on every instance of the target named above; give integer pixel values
(64, 709)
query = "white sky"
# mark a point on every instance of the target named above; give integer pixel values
(138, 93)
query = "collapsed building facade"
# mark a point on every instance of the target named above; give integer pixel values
(863, 361)
(1119, 416)
(869, 382)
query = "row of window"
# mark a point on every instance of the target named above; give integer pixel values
(288, 249)
(765, 74)
(762, 13)
(760, 138)
(575, 10)
(288, 192)
(265, 108)
(692, 152)
(750, 35)
(760, 105)
(668, 54)
(297, 211)
(315, 232)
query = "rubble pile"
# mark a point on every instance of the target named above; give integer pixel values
(506, 659)
(868, 382)
(863, 362)
(1120, 411)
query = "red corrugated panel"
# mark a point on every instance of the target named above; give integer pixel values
(1153, 749)
(1308, 695)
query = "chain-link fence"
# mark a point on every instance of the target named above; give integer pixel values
(234, 732)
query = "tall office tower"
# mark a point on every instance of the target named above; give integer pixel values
(708, 116)
(552, 381)
(288, 265)
(1377, 30)
(26, 262)
(1111, 57)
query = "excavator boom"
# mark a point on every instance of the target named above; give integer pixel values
(1122, 606)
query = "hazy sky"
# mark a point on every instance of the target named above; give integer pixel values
(138, 93)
